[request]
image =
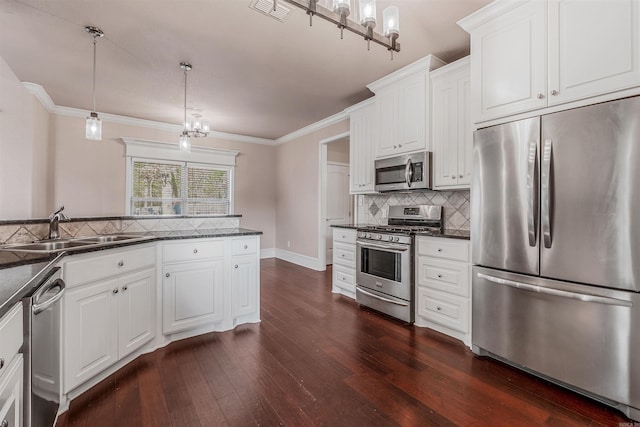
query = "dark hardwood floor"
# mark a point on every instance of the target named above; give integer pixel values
(317, 359)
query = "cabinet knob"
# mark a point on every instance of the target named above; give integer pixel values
(121, 263)
(453, 177)
(439, 249)
(460, 176)
(540, 96)
(246, 246)
(399, 145)
(554, 92)
(124, 288)
(195, 251)
(236, 266)
(439, 276)
(4, 423)
(395, 146)
(115, 291)
(1, 362)
(438, 308)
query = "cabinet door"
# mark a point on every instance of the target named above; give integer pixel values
(362, 150)
(11, 385)
(137, 302)
(91, 331)
(445, 132)
(509, 65)
(593, 48)
(192, 295)
(465, 132)
(387, 119)
(412, 114)
(245, 292)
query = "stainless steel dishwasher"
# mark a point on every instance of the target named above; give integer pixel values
(42, 325)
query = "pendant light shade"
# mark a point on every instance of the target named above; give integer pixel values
(93, 126)
(185, 143)
(368, 13)
(391, 22)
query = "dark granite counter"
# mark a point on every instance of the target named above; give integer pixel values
(17, 269)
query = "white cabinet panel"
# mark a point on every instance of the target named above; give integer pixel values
(344, 262)
(193, 294)
(11, 335)
(362, 149)
(387, 107)
(192, 250)
(593, 48)
(137, 303)
(447, 310)
(245, 292)
(11, 386)
(91, 331)
(94, 267)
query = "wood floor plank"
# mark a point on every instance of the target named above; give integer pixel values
(317, 359)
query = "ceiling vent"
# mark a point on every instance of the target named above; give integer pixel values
(266, 7)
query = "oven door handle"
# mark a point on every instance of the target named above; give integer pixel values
(382, 299)
(396, 249)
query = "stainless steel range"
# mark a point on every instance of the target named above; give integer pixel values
(384, 265)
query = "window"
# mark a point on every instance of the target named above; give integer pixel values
(179, 188)
(163, 181)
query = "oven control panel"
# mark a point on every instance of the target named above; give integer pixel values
(385, 237)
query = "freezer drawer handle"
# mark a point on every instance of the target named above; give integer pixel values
(556, 292)
(383, 299)
(547, 157)
(532, 160)
(39, 307)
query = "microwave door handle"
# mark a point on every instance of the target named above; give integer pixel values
(408, 173)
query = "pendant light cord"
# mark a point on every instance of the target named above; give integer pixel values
(94, 72)
(185, 99)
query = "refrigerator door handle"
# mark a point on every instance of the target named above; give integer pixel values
(556, 292)
(532, 189)
(547, 156)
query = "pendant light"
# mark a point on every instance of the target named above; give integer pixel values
(197, 127)
(93, 128)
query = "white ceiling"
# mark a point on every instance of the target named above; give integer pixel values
(252, 75)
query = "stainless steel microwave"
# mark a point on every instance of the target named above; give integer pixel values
(402, 173)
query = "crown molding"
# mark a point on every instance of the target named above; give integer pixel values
(149, 149)
(41, 94)
(426, 64)
(488, 13)
(336, 118)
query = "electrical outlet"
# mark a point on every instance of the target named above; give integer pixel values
(288, 243)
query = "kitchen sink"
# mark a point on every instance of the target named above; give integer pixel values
(50, 246)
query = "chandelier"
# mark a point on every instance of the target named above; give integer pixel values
(340, 11)
(93, 127)
(197, 127)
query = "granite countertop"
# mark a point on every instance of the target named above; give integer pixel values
(17, 269)
(449, 234)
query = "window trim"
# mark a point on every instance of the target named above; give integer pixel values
(168, 153)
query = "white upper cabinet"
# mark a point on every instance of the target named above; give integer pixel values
(527, 55)
(362, 147)
(402, 109)
(593, 48)
(452, 126)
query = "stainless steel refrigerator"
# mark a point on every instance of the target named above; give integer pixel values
(556, 248)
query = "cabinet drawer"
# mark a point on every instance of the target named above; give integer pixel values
(192, 250)
(447, 310)
(344, 235)
(344, 274)
(344, 254)
(442, 275)
(10, 336)
(112, 263)
(244, 246)
(457, 250)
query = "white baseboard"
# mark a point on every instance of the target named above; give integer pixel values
(267, 253)
(302, 260)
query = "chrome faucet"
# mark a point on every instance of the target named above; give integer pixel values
(54, 218)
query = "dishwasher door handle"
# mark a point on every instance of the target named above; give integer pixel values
(39, 307)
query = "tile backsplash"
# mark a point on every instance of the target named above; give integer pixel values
(29, 231)
(456, 208)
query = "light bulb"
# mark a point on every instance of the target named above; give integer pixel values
(342, 7)
(185, 143)
(93, 127)
(391, 22)
(368, 13)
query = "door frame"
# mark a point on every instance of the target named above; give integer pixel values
(322, 197)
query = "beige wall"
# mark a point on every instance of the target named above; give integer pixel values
(89, 177)
(23, 149)
(297, 191)
(338, 151)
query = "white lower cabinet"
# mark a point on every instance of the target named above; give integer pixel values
(344, 262)
(192, 294)
(245, 292)
(443, 291)
(109, 309)
(11, 367)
